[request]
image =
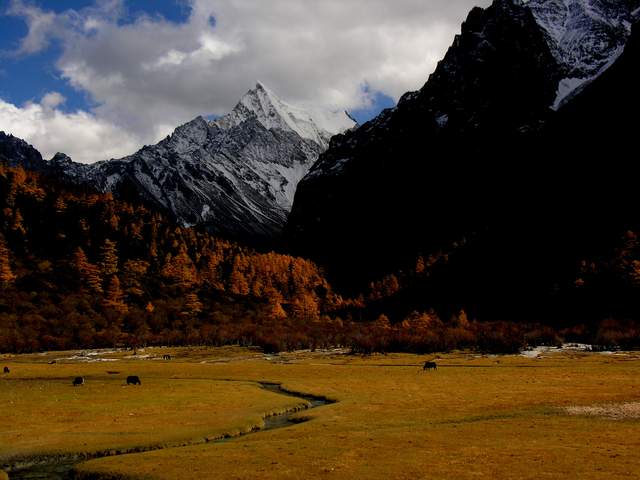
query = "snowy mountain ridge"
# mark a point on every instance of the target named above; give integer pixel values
(237, 175)
(274, 113)
(585, 37)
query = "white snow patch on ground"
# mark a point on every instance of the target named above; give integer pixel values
(92, 356)
(537, 352)
(85, 359)
(94, 353)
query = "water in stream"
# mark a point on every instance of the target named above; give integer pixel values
(64, 469)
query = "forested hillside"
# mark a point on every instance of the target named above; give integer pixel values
(79, 268)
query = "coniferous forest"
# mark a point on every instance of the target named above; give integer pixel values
(82, 269)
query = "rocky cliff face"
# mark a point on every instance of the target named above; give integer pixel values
(479, 158)
(585, 36)
(404, 180)
(15, 151)
(236, 175)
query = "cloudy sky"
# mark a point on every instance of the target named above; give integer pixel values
(98, 79)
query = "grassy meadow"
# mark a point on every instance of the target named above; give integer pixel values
(475, 417)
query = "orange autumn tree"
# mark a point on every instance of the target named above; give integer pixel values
(114, 297)
(89, 273)
(179, 269)
(109, 258)
(7, 277)
(192, 306)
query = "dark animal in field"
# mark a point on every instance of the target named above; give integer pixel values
(78, 381)
(430, 366)
(166, 357)
(133, 380)
(52, 362)
(6, 370)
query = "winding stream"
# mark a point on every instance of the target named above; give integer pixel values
(62, 467)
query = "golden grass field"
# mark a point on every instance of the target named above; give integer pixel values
(476, 417)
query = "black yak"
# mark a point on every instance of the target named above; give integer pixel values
(133, 380)
(78, 381)
(430, 366)
(6, 370)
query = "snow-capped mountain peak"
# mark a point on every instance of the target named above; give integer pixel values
(262, 104)
(237, 174)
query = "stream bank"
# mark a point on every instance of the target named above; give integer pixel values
(62, 467)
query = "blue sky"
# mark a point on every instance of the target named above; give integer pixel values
(26, 78)
(98, 79)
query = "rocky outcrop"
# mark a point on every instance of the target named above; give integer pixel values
(478, 165)
(15, 151)
(427, 171)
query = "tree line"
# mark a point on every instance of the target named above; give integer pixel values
(81, 269)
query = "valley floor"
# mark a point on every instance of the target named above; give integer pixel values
(564, 414)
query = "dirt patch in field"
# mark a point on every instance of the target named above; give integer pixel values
(614, 411)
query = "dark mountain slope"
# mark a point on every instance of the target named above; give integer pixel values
(15, 151)
(477, 165)
(428, 172)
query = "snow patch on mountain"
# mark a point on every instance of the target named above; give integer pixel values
(237, 174)
(585, 37)
(312, 124)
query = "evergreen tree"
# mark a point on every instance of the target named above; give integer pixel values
(180, 269)
(114, 297)
(60, 206)
(192, 306)
(18, 223)
(109, 258)
(238, 284)
(89, 273)
(276, 312)
(7, 277)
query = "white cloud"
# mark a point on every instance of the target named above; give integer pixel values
(152, 74)
(40, 23)
(52, 100)
(80, 135)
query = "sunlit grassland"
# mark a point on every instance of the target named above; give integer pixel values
(43, 414)
(476, 417)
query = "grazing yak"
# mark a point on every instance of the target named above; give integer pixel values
(133, 380)
(166, 357)
(6, 370)
(430, 366)
(78, 381)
